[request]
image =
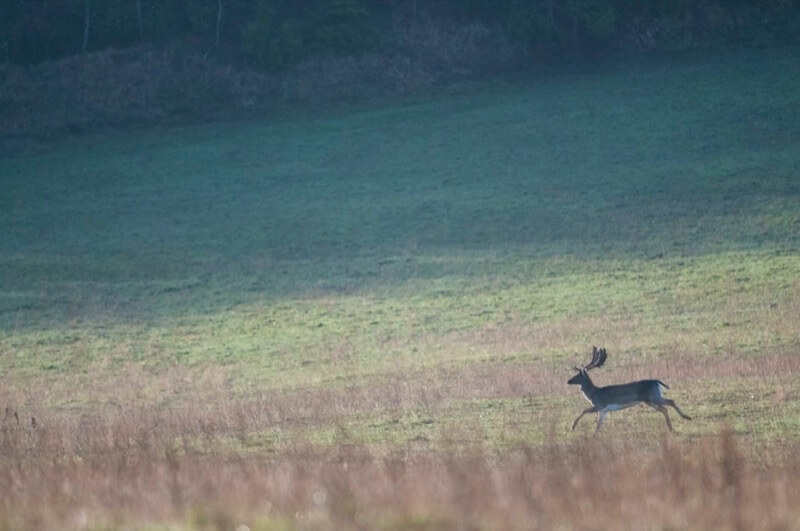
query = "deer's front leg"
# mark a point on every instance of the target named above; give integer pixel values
(585, 411)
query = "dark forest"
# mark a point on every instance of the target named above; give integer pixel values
(275, 34)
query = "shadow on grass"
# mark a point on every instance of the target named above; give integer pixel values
(660, 161)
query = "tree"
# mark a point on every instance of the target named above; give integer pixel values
(219, 23)
(139, 19)
(87, 11)
(9, 15)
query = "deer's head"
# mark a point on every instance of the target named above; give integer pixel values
(599, 356)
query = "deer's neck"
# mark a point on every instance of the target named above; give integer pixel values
(588, 388)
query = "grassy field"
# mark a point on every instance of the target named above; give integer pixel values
(366, 319)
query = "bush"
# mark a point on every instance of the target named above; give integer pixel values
(273, 46)
(270, 43)
(549, 28)
(280, 37)
(340, 27)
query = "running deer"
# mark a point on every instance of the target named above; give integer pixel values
(615, 397)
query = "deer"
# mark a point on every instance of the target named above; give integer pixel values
(616, 397)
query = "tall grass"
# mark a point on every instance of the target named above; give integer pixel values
(476, 447)
(170, 469)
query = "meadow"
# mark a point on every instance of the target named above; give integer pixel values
(365, 318)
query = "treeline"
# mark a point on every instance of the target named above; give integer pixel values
(275, 34)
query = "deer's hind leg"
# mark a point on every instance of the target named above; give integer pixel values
(668, 402)
(601, 415)
(662, 409)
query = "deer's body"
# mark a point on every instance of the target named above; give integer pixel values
(611, 397)
(621, 396)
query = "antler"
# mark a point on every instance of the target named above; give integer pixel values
(598, 358)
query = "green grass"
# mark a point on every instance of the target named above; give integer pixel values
(652, 208)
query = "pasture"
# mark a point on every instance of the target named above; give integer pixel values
(365, 318)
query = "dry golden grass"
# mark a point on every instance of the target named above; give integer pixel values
(105, 472)
(212, 461)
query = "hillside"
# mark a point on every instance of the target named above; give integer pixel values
(408, 286)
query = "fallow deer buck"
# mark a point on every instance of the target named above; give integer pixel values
(615, 397)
